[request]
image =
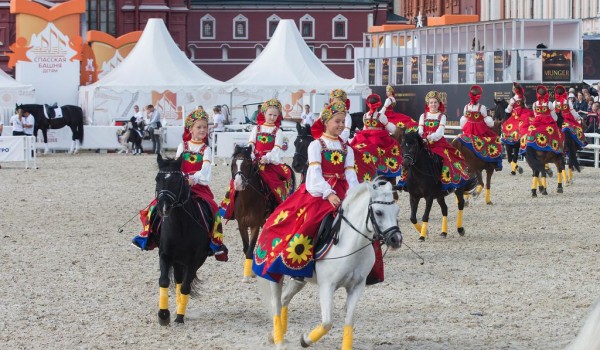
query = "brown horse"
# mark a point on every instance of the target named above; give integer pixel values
(478, 165)
(537, 160)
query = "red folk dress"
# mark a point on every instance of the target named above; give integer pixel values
(516, 126)
(543, 134)
(477, 135)
(454, 169)
(401, 121)
(285, 246)
(571, 126)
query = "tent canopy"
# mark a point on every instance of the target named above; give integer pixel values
(7, 83)
(288, 65)
(156, 63)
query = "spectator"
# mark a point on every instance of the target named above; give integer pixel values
(307, 116)
(218, 119)
(154, 128)
(1, 126)
(596, 92)
(17, 123)
(580, 104)
(590, 102)
(140, 119)
(28, 122)
(254, 115)
(592, 118)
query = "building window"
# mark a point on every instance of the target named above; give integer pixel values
(207, 27)
(307, 27)
(272, 23)
(259, 49)
(101, 15)
(240, 27)
(349, 53)
(225, 52)
(340, 27)
(324, 53)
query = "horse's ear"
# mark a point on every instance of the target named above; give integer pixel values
(299, 128)
(159, 160)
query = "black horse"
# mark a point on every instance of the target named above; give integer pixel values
(135, 136)
(184, 236)
(512, 150)
(423, 181)
(46, 118)
(300, 160)
(357, 122)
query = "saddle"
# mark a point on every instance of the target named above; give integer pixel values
(328, 233)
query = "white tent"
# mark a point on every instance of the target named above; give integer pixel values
(11, 93)
(285, 67)
(155, 72)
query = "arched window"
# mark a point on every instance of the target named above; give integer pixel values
(339, 27)
(323, 52)
(272, 23)
(224, 52)
(259, 49)
(240, 27)
(349, 52)
(307, 27)
(207, 27)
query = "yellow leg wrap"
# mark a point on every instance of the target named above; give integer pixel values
(564, 176)
(163, 299)
(547, 166)
(445, 224)
(487, 196)
(284, 319)
(277, 332)
(559, 178)
(178, 292)
(459, 219)
(248, 268)
(543, 182)
(182, 304)
(417, 227)
(534, 183)
(478, 189)
(424, 229)
(570, 174)
(347, 339)
(513, 166)
(317, 333)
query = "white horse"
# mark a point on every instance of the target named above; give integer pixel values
(368, 213)
(589, 335)
(123, 135)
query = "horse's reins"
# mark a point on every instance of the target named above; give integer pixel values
(412, 164)
(246, 180)
(169, 194)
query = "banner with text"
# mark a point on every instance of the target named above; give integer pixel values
(400, 71)
(429, 69)
(414, 70)
(371, 66)
(498, 66)
(12, 149)
(385, 71)
(556, 65)
(462, 68)
(445, 68)
(479, 67)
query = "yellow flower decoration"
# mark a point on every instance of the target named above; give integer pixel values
(446, 174)
(554, 144)
(367, 158)
(300, 248)
(282, 216)
(270, 103)
(550, 130)
(367, 177)
(263, 139)
(301, 211)
(396, 150)
(493, 150)
(391, 163)
(541, 139)
(336, 158)
(380, 151)
(509, 127)
(478, 143)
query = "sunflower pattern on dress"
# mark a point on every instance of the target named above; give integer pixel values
(277, 177)
(479, 138)
(543, 134)
(516, 126)
(571, 127)
(286, 244)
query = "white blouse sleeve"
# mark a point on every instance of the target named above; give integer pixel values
(421, 124)
(315, 182)
(552, 111)
(439, 133)
(252, 138)
(349, 170)
(274, 155)
(345, 135)
(509, 108)
(463, 119)
(203, 176)
(390, 127)
(386, 104)
(489, 121)
(179, 150)
(573, 113)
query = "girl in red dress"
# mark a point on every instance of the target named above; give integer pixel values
(571, 125)
(516, 126)
(196, 165)
(286, 244)
(401, 121)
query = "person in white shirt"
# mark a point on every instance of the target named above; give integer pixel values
(16, 121)
(218, 119)
(1, 127)
(28, 123)
(140, 118)
(154, 124)
(307, 116)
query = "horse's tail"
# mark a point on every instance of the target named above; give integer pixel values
(532, 159)
(572, 149)
(195, 285)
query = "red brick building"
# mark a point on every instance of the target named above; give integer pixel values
(223, 36)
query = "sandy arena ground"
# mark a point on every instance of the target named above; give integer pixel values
(523, 277)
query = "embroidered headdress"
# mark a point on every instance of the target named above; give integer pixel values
(373, 102)
(328, 112)
(541, 93)
(434, 94)
(272, 103)
(340, 95)
(198, 114)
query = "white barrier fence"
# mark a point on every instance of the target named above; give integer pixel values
(18, 149)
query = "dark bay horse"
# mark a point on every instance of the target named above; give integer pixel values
(423, 181)
(46, 118)
(512, 150)
(478, 165)
(184, 236)
(537, 160)
(253, 202)
(300, 160)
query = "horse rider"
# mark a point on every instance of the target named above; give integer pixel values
(402, 121)
(571, 125)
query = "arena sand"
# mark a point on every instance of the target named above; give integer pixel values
(523, 277)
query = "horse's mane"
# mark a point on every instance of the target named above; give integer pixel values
(412, 136)
(245, 150)
(170, 164)
(354, 193)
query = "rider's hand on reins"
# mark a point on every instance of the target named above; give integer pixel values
(334, 200)
(191, 181)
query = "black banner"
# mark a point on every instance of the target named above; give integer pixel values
(462, 68)
(498, 66)
(591, 57)
(400, 71)
(385, 71)
(479, 67)
(414, 70)
(556, 65)
(371, 72)
(445, 69)
(429, 69)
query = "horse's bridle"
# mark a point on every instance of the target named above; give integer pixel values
(245, 179)
(411, 162)
(175, 198)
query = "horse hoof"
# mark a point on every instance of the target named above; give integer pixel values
(520, 170)
(421, 239)
(179, 319)
(443, 234)
(513, 173)
(533, 195)
(559, 190)
(164, 317)
(303, 343)
(270, 338)
(544, 192)
(461, 231)
(489, 203)
(247, 279)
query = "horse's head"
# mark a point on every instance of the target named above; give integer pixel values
(500, 109)
(304, 138)
(383, 213)
(412, 144)
(172, 188)
(242, 167)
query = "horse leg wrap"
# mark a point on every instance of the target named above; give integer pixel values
(570, 174)
(277, 330)
(417, 227)
(564, 176)
(444, 224)
(178, 292)
(248, 268)
(534, 183)
(347, 339)
(543, 182)
(478, 189)
(487, 196)
(513, 166)
(284, 319)
(424, 229)
(559, 178)
(318, 333)
(182, 304)
(459, 216)
(163, 299)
